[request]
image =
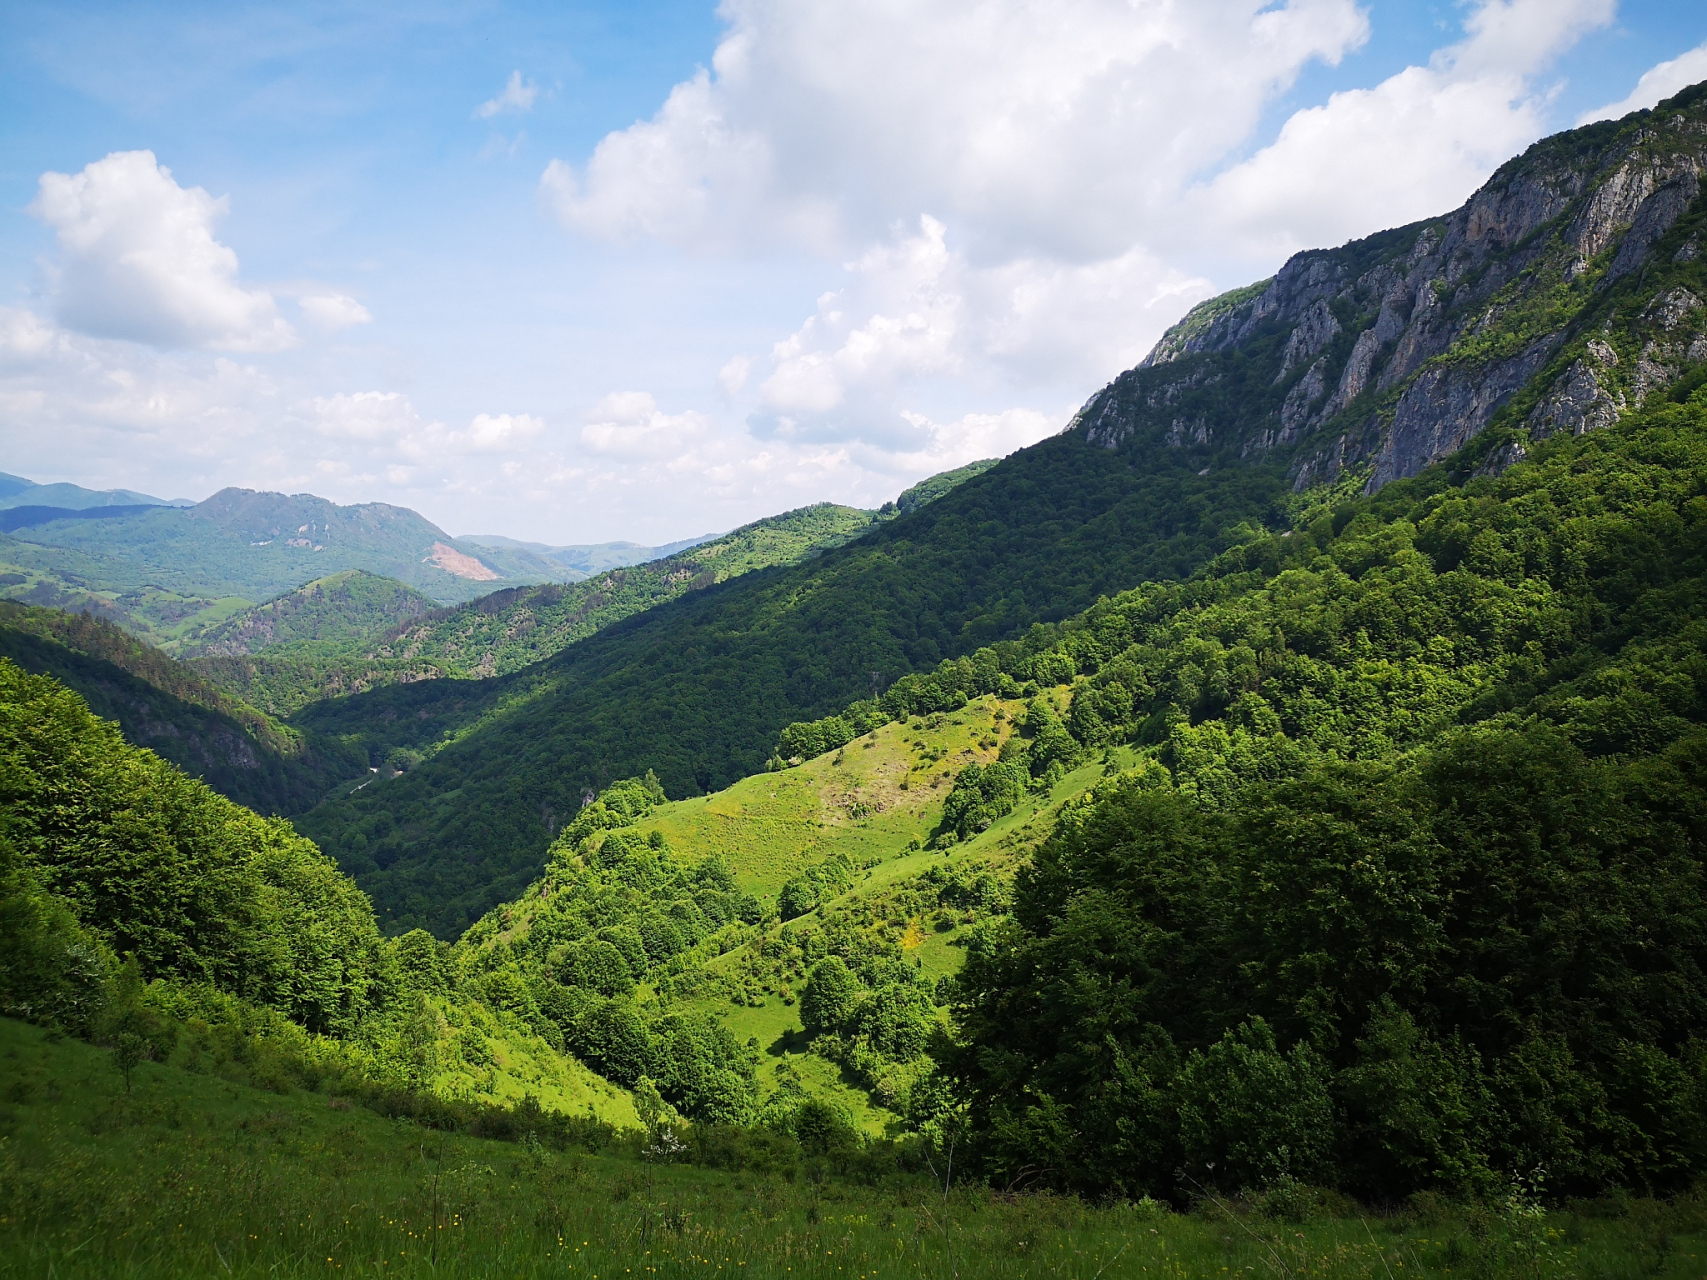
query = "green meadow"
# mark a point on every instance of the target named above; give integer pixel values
(192, 1174)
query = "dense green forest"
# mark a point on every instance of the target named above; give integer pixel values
(162, 704)
(1410, 785)
(329, 615)
(137, 902)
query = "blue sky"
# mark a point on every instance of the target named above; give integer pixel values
(590, 271)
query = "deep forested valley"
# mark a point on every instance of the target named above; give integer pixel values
(1283, 793)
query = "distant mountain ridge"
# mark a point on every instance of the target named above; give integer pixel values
(16, 491)
(590, 558)
(165, 572)
(506, 630)
(22, 517)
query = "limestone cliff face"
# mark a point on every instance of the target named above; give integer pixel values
(1565, 291)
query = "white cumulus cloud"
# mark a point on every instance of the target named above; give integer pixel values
(368, 416)
(138, 260)
(629, 424)
(499, 432)
(1415, 145)
(1657, 83)
(1030, 128)
(516, 95)
(334, 311)
(1010, 194)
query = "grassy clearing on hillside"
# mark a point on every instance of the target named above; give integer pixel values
(192, 1176)
(851, 802)
(870, 799)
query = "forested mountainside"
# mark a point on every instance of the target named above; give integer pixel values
(162, 571)
(509, 629)
(1474, 329)
(715, 674)
(160, 704)
(1369, 857)
(329, 615)
(933, 487)
(140, 908)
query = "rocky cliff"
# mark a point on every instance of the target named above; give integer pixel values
(1566, 290)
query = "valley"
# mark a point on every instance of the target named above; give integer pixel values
(1274, 802)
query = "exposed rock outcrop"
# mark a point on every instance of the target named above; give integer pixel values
(1391, 353)
(1579, 400)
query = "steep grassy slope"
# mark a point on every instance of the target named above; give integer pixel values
(194, 1177)
(853, 823)
(162, 705)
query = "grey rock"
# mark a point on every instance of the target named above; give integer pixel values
(1578, 401)
(1612, 207)
(1447, 405)
(1315, 329)
(1295, 411)
(1508, 455)
(1671, 308)
(1182, 432)
(1102, 421)
(1355, 377)
(1653, 219)
(1677, 315)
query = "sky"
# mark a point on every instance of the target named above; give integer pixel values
(580, 271)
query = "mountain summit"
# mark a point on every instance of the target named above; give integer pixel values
(1538, 306)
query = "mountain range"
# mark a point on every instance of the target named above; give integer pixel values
(15, 491)
(1293, 774)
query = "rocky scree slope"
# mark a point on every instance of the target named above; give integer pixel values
(1541, 305)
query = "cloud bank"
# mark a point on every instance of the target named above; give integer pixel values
(138, 260)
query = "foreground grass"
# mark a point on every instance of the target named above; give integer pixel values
(192, 1175)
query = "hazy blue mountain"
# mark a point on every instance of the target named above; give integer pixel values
(164, 571)
(16, 491)
(586, 559)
